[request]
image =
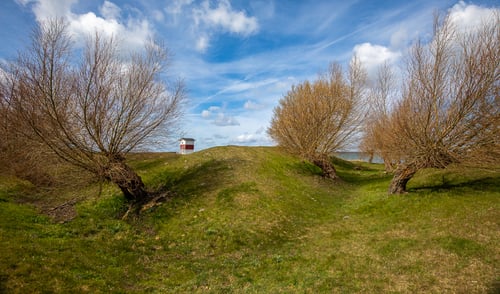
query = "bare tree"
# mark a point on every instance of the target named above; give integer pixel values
(26, 159)
(315, 119)
(376, 140)
(450, 109)
(91, 109)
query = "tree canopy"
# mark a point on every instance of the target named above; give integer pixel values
(315, 119)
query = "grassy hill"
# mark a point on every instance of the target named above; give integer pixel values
(256, 220)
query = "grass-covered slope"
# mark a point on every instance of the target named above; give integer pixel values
(255, 220)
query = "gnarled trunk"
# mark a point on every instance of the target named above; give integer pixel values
(324, 162)
(401, 177)
(127, 180)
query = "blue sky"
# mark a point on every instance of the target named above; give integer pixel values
(238, 58)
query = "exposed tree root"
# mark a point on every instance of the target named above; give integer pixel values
(137, 208)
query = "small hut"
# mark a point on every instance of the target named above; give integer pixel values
(186, 145)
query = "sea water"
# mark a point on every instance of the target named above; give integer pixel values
(358, 156)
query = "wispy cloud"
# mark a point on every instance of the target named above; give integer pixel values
(109, 10)
(250, 105)
(223, 17)
(210, 18)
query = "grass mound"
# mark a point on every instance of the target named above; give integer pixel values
(254, 220)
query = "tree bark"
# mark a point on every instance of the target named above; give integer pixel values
(129, 182)
(324, 162)
(401, 177)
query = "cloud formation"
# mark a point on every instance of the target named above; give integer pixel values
(224, 120)
(246, 138)
(219, 117)
(373, 56)
(469, 16)
(210, 18)
(109, 10)
(132, 32)
(225, 18)
(259, 137)
(250, 105)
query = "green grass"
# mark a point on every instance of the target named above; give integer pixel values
(256, 220)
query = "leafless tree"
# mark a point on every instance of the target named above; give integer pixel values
(450, 109)
(375, 139)
(94, 108)
(314, 119)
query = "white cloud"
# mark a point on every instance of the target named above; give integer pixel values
(206, 114)
(3, 74)
(246, 138)
(178, 16)
(466, 16)
(210, 18)
(133, 33)
(225, 18)
(259, 138)
(250, 105)
(202, 43)
(109, 10)
(44, 9)
(221, 118)
(399, 38)
(224, 120)
(372, 56)
(84, 24)
(176, 6)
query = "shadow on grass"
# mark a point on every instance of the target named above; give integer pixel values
(350, 170)
(306, 168)
(343, 164)
(193, 180)
(360, 173)
(363, 178)
(483, 184)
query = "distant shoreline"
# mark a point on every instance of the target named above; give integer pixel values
(358, 156)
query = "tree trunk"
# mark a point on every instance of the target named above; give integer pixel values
(128, 181)
(401, 177)
(324, 162)
(370, 158)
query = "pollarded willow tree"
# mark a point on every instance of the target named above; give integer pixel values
(315, 119)
(92, 106)
(450, 109)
